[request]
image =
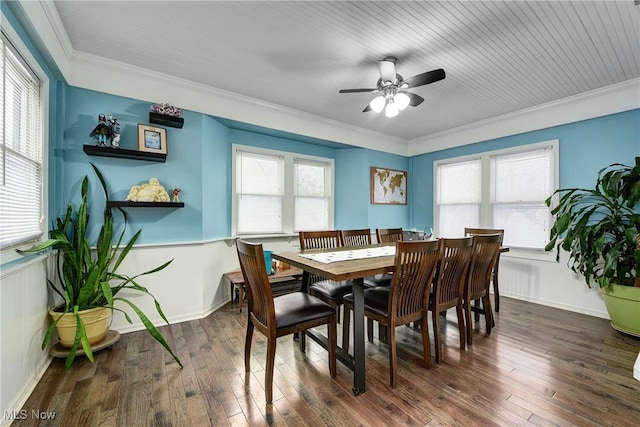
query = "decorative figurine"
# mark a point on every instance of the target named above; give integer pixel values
(151, 192)
(176, 193)
(114, 131)
(101, 132)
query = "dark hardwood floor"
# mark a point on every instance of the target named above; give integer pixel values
(541, 366)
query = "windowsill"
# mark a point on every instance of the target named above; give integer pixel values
(530, 254)
(263, 236)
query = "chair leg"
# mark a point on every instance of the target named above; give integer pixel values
(436, 335)
(302, 337)
(391, 334)
(496, 292)
(268, 376)
(382, 334)
(468, 321)
(461, 328)
(346, 319)
(370, 329)
(333, 339)
(247, 345)
(488, 313)
(426, 344)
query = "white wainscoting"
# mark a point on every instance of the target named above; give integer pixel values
(549, 283)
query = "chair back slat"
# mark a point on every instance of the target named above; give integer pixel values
(319, 239)
(486, 248)
(259, 294)
(415, 264)
(327, 239)
(455, 255)
(356, 237)
(468, 231)
(388, 235)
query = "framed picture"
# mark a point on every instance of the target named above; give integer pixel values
(152, 139)
(388, 186)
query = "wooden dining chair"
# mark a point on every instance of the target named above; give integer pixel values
(469, 231)
(388, 235)
(328, 291)
(405, 300)
(361, 237)
(448, 286)
(486, 248)
(279, 316)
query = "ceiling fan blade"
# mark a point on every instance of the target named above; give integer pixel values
(387, 69)
(424, 78)
(357, 90)
(414, 100)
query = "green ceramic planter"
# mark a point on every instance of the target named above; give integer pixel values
(623, 305)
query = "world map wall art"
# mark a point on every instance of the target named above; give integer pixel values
(388, 186)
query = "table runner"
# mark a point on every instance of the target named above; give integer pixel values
(329, 257)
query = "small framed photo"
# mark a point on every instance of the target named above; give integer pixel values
(152, 139)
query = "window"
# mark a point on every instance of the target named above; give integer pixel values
(458, 196)
(21, 150)
(280, 193)
(503, 189)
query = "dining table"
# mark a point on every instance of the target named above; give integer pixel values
(352, 263)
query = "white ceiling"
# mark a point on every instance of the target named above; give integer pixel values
(499, 57)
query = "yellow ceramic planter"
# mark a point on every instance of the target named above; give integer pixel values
(96, 323)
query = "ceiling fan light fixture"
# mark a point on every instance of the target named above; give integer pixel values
(391, 110)
(378, 103)
(401, 100)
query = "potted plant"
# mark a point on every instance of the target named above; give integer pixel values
(599, 230)
(88, 279)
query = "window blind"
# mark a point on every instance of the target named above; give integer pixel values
(520, 184)
(458, 197)
(312, 195)
(259, 193)
(21, 169)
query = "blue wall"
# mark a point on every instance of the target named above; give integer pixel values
(198, 162)
(585, 147)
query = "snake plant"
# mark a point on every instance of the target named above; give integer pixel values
(87, 278)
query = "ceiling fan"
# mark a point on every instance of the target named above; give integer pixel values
(392, 86)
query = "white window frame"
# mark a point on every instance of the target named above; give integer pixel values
(485, 205)
(288, 199)
(9, 255)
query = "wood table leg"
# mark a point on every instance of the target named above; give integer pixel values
(359, 383)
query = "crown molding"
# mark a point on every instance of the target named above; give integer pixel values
(600, 102)
(93, 72)
(44, 24)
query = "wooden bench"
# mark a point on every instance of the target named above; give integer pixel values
(237, 281)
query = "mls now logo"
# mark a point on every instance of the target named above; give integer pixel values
(23, 414)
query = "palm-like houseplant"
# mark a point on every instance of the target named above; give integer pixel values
(86, 278)
(599, 229)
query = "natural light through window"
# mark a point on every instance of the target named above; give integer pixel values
(21, 150)
(280, 193)
(503, 189)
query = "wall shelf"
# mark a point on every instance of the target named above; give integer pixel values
(164, 120)
(127, 204)
(123, 153)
